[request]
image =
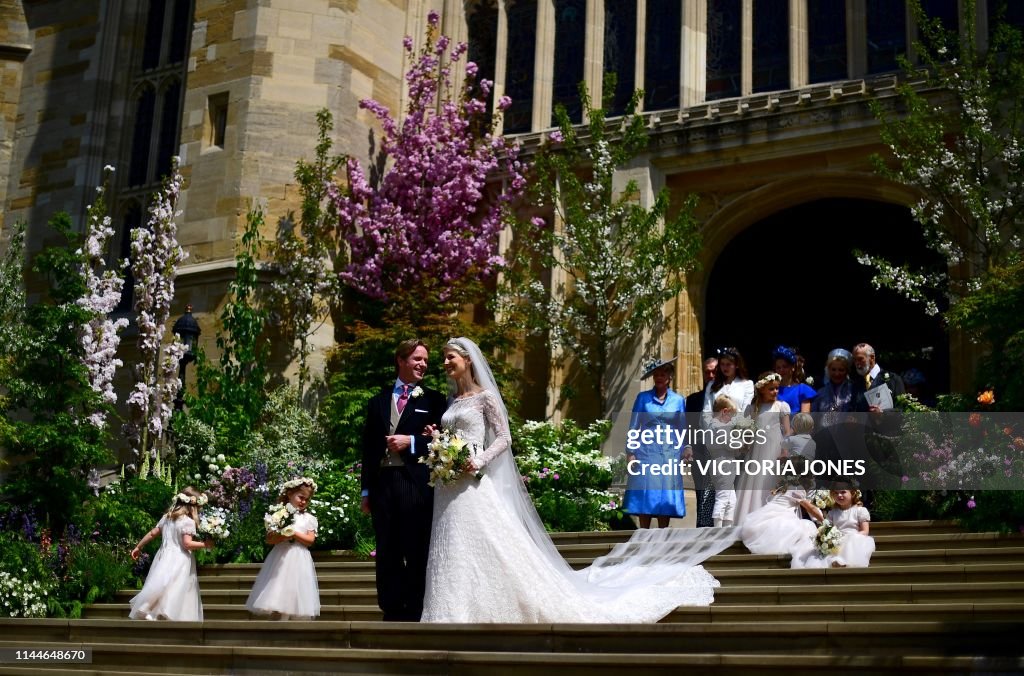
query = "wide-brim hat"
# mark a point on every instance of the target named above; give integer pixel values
(656, 364)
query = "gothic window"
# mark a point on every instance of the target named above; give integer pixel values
(522, 41)
(570, 29)
(662, 54)
(620, 51)
(826, 38)
(771, 45)
(158, 78)
(482, 22)
(723, 56)
(887, 34)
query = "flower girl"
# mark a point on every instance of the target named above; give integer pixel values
(778, 527)
(286, 586)
(171, 591)
(852, 520)
(772, 416)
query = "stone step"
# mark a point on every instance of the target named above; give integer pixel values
(819, 635)
(935, 572)
(256, 661)
(335, 609)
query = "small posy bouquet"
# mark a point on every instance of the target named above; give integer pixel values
(822, 499)
(281, 519)
(214, 523)
(447, 456)
(828, 538)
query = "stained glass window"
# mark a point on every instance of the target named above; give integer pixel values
(887, 34)
(826, 38)
(771, 45)
(570, 31)
(620, 50)
(662, 55)
(519, 59)
(723, 57)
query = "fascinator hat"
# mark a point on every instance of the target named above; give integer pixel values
(652, 365)
(783, 352)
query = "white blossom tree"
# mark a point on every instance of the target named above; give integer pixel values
(621, 261)
(156, 255)
(957, 142)
(100, 336)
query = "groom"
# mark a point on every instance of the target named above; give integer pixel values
(395, 490)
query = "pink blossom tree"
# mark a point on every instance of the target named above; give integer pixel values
(156, 255)
(430, 223)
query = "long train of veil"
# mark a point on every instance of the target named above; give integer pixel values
(649, 558)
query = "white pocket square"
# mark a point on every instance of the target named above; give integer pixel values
(421, 410)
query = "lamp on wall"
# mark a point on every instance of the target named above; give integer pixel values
(187, 329)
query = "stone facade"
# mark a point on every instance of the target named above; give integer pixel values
(256, 71)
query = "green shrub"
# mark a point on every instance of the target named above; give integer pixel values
(567, 475)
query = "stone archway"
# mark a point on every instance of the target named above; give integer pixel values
(734, 227)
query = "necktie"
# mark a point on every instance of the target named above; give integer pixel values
(867, 381)
(403, 398)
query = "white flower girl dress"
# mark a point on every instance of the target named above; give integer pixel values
(287, 582)
(171, 591)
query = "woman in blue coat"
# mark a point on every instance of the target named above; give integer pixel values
(658, 412)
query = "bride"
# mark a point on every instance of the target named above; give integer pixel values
(491, 559)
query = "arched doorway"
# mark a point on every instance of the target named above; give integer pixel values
(791, 278)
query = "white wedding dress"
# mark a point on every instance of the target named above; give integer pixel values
(490, 560)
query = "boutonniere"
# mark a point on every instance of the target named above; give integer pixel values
(417, 392)
(809, 380)
(885, 377)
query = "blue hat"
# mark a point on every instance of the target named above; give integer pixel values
(654, 364)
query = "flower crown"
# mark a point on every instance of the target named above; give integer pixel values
(771, 377)
(295, 483)
(184, 499)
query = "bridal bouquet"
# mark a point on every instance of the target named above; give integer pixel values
(281, 519)
(828, 538)
(214, 523)
(447, 456)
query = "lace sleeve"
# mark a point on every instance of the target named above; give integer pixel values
(497, 425)
(187, 526)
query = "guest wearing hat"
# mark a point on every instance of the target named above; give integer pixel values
(660, 494)
(793, 390)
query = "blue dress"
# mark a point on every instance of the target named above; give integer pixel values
(794, 395)
(656, 495)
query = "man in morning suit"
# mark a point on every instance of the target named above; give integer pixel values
(395, 489)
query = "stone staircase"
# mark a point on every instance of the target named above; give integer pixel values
(935, 600)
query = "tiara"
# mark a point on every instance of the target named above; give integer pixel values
(771, 377)
(295, 483)
(199, 500)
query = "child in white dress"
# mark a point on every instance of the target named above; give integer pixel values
(772, 416)
(286, 586)
(720, 448)
(778, 527)
(851, 517)
(171, 591)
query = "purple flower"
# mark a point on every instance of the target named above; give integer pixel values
(905, 478)
(471, 69)
(556, 136)
(556, 477)
(971, 504)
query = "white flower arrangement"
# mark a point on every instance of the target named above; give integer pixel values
(446, 456)
(828, 538)
(417, 392)
(299, 481)
(809, 380)
(214, 522)
(184, 499)
(281, 519)
(822, 499)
